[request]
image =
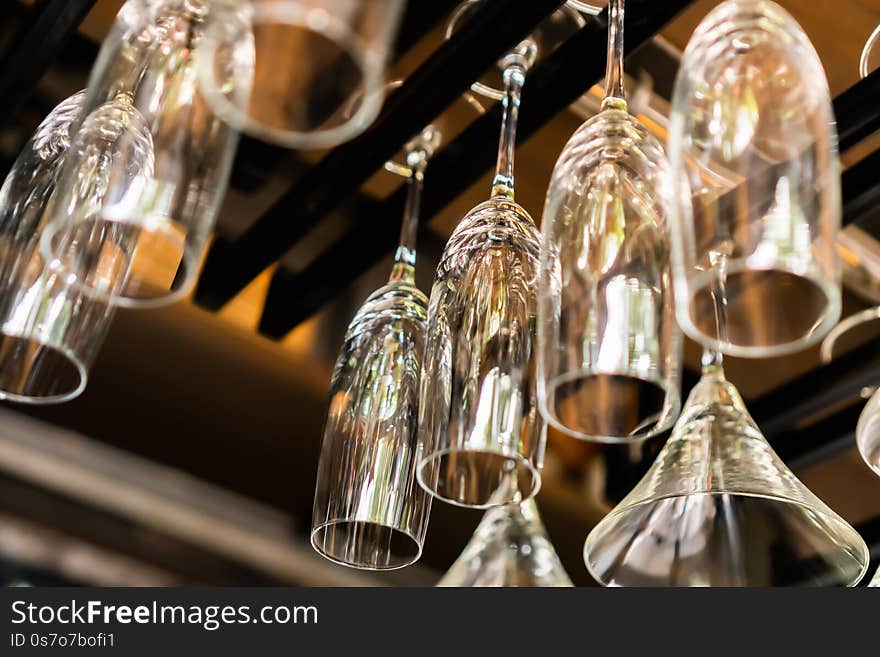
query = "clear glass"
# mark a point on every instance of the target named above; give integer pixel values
(868, 432)
(481, 440)
(719, 508)
(160, 228)
(51, 331)
(369, 511)
(752, 132)
(310, 61)
(609, 349)
(510, 547)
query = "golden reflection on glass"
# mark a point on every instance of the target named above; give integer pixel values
(609, 351)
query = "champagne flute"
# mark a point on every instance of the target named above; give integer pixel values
(481, 442)
(369, 511)
(316, 67)
(160, 227)
(50, 331)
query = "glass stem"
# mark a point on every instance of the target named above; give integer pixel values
(514, 78)
(404, 268)
(615, 97)
(712, 363)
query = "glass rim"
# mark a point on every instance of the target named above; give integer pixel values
(368, 63)
(836, 519)
(46, 400)
(829, 320)
(189, 262)
(323, 526)
(671, 393)
(440, 453)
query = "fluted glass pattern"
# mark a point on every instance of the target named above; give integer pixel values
(609, 350)
(369, 510)
(480, 437)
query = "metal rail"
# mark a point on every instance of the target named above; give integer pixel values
(31, 52)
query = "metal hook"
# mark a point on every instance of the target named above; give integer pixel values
(846, 325)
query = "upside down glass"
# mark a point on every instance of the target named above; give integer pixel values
(510, 547)
(719, 508)
(51, 331)
(159, 227)
(752, 131)
(481, 442)
(369, 511)
(317, 66)
(609, 350)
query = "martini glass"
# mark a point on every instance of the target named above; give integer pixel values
(609, 350)
(510, 547)
(719, 508)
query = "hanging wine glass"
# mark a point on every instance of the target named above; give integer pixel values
(369, 511)
(481, 441)
(161, 227)
(311, 62)
(751, 100)
(609, 351)
(510, 547)
(50, 332)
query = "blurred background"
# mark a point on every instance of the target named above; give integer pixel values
(191, 457)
